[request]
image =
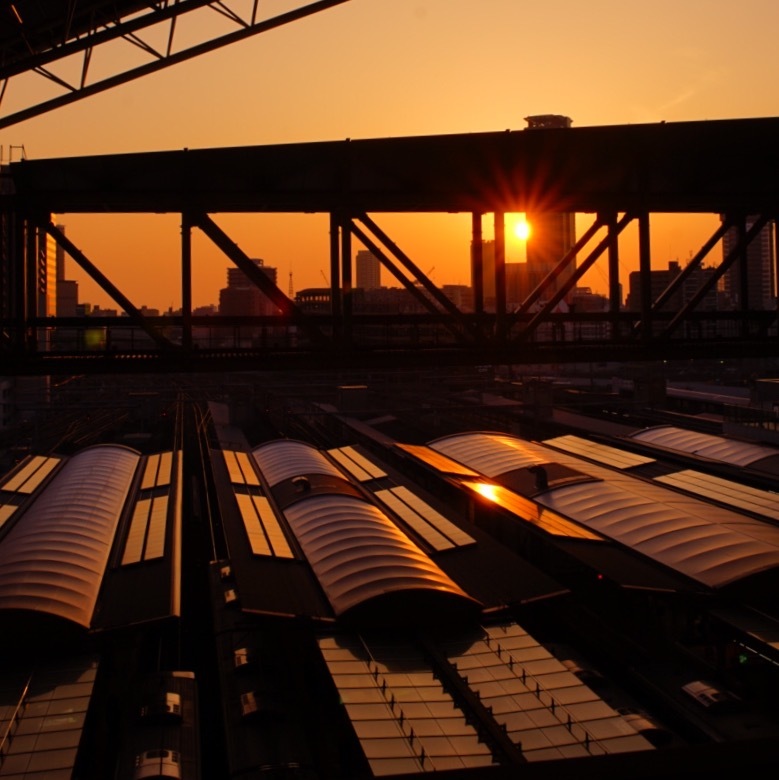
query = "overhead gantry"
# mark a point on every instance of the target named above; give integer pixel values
(43, 37)
(620, 175)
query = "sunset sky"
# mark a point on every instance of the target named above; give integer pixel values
(388, 68)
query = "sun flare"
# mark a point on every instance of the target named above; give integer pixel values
(522, 230)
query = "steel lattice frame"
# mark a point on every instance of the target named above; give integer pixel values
(38, 37)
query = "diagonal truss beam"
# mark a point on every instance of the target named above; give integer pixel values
(744, 240)
(694, 263)
(378, 252)
(255, 275)
(414, 270)
(107, 286)
(115, 29)
(566, 260)
(675, 284)
(614, 231)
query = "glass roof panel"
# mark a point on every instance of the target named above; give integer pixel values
(155, 537)
(365, 463)
(6, 510)
(30, 476)
(350, 466)
(276, 537)
(24, 473)
(417, 524)
(438, 461)
(165, 470)
(726, 491)
(233, 469)
(252, 525)
(406, 716)
(436, 519)
(608, 456)
(247, 469)
(133, 546)
(150, 472)
(535, 716)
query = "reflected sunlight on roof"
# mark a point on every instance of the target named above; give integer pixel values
(528, 510)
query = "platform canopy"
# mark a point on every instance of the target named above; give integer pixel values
(53, 559)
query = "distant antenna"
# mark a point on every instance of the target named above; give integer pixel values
(291, 289)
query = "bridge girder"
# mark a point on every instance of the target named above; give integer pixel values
(621, 174)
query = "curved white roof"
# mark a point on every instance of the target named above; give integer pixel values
(492, 454)
(358, 553)
(54, 558)
(710, 544)
(285, 458)
(737, 453)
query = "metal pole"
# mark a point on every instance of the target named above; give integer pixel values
(477, 263)
(335, 266)
(31, 283)
(346, 278)
(17, 249)
(186, 281)
(743, 271)
(500, 270)
(613, 260)
(775, 280)
(645, 272)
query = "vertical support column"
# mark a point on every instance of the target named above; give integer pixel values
(477, 263)
(31, 283)
(186, 281)
(346, 278)
(336, 304)
(775, 288)
(335, 266)
(645, 273)
(613, 260)
(17, 294)
(743, 275)
(500, 272)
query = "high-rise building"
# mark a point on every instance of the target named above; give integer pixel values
(368, 270)
(243, 297)
(67, 289)
(553, 233)
(760, 256)
(659, 280)
(46, 273)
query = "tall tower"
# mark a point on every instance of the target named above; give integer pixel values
(242, 296)
(760, 269)
(368, 270)
(47, 273)
(553, 232)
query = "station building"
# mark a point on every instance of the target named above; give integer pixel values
(316, 613)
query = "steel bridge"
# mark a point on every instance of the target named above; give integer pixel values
(617, 174)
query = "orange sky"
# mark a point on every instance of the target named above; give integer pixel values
(381, 68)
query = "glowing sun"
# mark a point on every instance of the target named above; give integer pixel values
(522, 230)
